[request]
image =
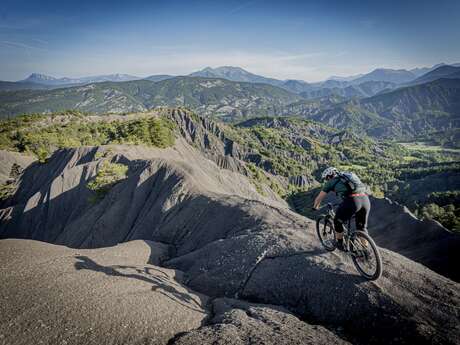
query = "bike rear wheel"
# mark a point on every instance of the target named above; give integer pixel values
(366, 256)
(326, 233)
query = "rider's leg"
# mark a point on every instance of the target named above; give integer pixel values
(344, 212)
(361, 220)
(363, 205)
(338, 227)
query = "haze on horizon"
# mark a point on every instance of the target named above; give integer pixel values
(309, 40)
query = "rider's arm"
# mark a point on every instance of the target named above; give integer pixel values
(318, 199)
(328, 186)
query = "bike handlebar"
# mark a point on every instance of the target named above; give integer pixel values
(329, 205)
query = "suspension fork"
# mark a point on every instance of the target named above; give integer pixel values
(348, 236)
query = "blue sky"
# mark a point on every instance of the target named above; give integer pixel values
(307, 40)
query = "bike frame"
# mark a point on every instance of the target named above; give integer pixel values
(348, 232)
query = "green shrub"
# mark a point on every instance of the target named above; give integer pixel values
(107, 176)
(6, 190)
(448, 215)
(24, 135)
(42, 154)
(257, 177)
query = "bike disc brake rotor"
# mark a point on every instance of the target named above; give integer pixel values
(362, 254)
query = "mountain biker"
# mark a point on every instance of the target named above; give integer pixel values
(354, 201)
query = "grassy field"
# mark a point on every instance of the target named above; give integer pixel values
(424, 146)
(351, 167)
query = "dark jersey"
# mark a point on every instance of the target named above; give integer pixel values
(336, 185)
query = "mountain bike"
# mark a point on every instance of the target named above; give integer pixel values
(358, 244)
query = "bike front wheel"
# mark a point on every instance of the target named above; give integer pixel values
(326, 233)
(366, 256)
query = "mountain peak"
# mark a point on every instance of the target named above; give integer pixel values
(235, 74)
(443, 71)
(37, 77)
(223, 70)
(397, 76)
(389, 70)
(231, 68)
(207, 69)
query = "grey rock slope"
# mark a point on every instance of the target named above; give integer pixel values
(12, 163)
(229, 241)
(56, 295)
(160, 187)
(237, 323)
(394, 227)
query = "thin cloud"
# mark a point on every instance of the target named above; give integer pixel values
(40, 41)
(20, 24)
(299, 56)
(172, 47)
(368, 23)
(241, 7)
(20, 45)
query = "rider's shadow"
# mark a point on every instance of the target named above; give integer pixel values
(161, 282)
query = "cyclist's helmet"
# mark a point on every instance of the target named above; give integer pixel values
(329, 172)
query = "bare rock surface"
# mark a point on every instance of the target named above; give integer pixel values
(175, 184)
(394, 227)
(285, 265)
(8, 159)
(55, 295)
(240, 323)
(407, 305)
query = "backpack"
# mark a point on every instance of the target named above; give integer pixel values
(352, 181)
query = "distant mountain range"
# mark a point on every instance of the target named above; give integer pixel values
(235, 74)
(445, 71)
(376, 108)
(20, 85)
(423, 70)
(51, 81)
(401, 113)
(300, 86)
(240, 75)
(209, 96)
(335, 86)
(350, 78)
(42, 81)
(159, 77)
(365, 89)
(387, 75)
(399, 107)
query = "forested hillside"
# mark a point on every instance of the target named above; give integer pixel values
(402, 113)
